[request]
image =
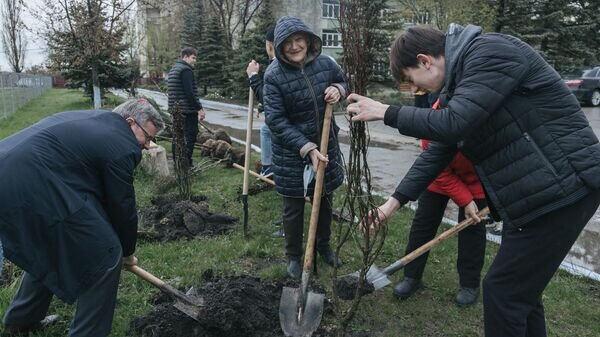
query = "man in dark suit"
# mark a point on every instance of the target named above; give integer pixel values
(67, 212)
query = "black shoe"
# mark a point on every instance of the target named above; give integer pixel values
(294, 270)
(407, 287)
(278, 233)
(467, 296)
(24, 329)
(329, 257)
(278, 222)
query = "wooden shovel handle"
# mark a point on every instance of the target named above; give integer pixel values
(316, 203)
(248, 142)
(433, 242)
(160, 284)
(155, 281)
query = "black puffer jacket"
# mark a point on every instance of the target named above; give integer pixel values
(181, 76)
(294, 109)
(512, 115)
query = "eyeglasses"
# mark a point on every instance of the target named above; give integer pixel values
(147, 136)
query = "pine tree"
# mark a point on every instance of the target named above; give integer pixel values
(212, 55)
(252, 47)
(563, 31)
(193, 26)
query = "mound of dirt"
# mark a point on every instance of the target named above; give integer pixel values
(234, 306)
(170, 218)
(346, 287)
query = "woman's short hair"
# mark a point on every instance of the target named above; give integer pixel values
(421, 39)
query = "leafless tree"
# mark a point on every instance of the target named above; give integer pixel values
(235, 15)
(13, 34)
(83, 32)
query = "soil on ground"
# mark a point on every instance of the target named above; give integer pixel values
(346, 287)
(170, 218)
(234, 306)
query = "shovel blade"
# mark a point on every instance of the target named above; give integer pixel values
(190, 304)
(190, 310)
(377, 277)
(289, 307)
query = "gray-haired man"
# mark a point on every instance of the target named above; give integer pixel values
(67, 212)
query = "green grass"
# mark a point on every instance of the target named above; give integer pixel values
(572, 303)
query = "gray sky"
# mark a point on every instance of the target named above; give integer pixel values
(36, 48)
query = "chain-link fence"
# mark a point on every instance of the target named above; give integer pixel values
(17, 89)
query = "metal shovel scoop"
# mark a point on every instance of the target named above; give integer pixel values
(300, 310)
(187, 304)
(379, 278)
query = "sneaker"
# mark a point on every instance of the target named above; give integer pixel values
(11, 330)
(294, 270)
(278, 222)
(467, 296)
(266, 171)
(407, 287)
(278, 233)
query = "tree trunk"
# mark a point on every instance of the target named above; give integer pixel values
(96, 87)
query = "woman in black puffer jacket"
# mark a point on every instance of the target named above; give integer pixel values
(298, 85)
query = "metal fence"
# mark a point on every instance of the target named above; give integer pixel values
(17, 89)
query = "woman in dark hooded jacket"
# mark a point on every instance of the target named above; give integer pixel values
(298, 85)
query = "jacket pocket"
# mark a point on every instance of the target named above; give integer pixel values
(539, 152)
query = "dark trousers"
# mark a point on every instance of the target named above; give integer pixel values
(95, 307)
(526, 261)
(293, 224)
(471, 240)
(190, 133)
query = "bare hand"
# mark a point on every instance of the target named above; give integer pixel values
(253, 67)
(201, 115)
(471, 212)
(332, 95)
(364, 109)
(316, 157)
(130, 260)
(379, 215)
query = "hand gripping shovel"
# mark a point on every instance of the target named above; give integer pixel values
(300, 310)
(379, 278)
(187, 304)
(247, 159)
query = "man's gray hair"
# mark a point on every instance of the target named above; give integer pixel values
(142, 111)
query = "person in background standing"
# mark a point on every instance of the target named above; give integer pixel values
(183, 93)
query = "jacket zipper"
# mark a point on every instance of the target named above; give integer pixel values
(539, 152)
(314, 96)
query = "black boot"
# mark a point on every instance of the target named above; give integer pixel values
(406, 288)
(329, 257)
(294, 270)
(467, 296)
(25, 329)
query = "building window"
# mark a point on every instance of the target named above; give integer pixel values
(332, 38)
(331, 9)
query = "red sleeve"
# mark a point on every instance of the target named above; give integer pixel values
(453, 187)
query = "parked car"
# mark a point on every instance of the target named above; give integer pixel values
(587, 87)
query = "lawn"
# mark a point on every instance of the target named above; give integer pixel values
(572, 303)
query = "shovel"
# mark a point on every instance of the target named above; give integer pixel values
(300, 310)
(379, 278)
(247, 159)
(187, 304)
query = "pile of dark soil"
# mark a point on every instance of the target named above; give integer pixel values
(234, 306)
(170, 218)
(346, 287)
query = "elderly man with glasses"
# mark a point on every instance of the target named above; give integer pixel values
(67, 212)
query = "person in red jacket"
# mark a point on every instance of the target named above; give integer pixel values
(458, 182)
